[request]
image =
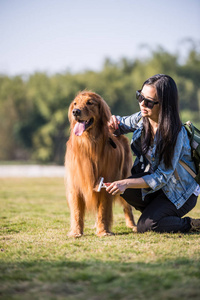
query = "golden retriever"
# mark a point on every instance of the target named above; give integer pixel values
(93, 152)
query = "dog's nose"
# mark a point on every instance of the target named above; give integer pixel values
(76, 112)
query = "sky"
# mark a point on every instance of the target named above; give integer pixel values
(56, 36)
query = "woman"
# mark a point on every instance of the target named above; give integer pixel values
(159, 186)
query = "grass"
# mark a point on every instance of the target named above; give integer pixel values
(39, 261)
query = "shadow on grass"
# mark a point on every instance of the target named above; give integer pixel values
(175, 279)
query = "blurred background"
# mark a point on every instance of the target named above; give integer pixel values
(50, 50)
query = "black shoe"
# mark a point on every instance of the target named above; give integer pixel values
(195, 225)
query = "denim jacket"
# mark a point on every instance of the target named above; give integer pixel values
(177, 188)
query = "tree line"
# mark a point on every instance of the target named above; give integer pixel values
(34, 110)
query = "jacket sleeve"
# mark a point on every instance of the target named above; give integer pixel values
(128, 123)
(161, 175)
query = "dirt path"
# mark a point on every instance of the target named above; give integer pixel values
(31, 171)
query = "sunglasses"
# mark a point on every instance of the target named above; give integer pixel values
(148, 103)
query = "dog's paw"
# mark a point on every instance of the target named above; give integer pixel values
(130, 224)
(134, 228)
(105, 233)
(74, 234)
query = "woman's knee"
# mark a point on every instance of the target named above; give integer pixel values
(145, 225)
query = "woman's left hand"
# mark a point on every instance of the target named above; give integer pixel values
(116, 187)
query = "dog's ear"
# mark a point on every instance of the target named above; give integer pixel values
(104, 110)
(70, 112)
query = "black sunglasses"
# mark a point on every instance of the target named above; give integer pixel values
(148, 103)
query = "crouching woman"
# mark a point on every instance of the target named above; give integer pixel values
(160, 187)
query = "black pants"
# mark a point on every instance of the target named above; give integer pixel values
(158, 212)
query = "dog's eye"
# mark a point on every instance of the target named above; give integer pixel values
(89, 102)
(74, 103)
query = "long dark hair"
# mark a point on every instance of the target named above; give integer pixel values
(169, 123)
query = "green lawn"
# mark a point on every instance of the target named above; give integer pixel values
(39, 261)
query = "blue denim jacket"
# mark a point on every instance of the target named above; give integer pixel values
(177, 188)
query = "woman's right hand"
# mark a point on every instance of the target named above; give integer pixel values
(113, 124)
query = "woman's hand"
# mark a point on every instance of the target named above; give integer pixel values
(116, 187)
(113, 124)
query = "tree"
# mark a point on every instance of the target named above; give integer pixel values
(33, 111)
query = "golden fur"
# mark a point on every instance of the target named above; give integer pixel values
(92, 154)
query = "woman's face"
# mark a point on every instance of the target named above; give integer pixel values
(149, 92)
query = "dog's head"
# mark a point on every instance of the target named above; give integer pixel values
(88, 110)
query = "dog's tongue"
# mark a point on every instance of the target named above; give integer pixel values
(79, 128)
